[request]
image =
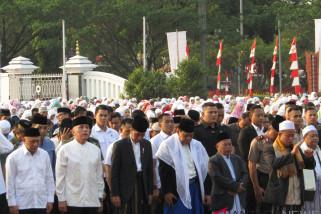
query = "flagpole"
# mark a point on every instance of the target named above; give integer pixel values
(280, 61)
(177, 49)
(64, 74)
(144, 43)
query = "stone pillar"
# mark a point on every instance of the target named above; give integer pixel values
(17, 68)
(4, 85)
(76, 66)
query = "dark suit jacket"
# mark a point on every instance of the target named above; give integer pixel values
(247, 134)
(222, 181)
(278, 162)
(124, 170)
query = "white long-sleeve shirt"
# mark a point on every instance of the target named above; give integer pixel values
(79, 175)
(5, 147)
(156, 141)
(29, 178)
(105, 138)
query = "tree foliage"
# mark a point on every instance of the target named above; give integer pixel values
(146, 85)
(113, 29)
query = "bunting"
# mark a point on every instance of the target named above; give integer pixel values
(252, 69)
(218, 64)
(294, 68)
(274, 60)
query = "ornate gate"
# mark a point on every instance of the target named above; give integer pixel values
(33, 86)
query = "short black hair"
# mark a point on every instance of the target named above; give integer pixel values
(114, 115)
(294, 108)
(245, 115)
(126, 120)
(219, 105)
(103, 107)
(78, 110)
(139, 113)
(309, 108)
(161, 117)
(208, 104)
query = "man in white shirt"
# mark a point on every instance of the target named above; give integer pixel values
(101, 131)
(166, 124)
(5, 147)
(105, 136)
(124, 131)
(29, 177)
(79, 175)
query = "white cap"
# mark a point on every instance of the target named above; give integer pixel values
(5, 127)
(308, 129)
(286, 125)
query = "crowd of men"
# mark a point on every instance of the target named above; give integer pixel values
(186, 155)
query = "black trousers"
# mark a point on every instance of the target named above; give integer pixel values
(82, 210)
(263, 208)
(158, 205)
(138, 204)
(33, 211)
(4, 209)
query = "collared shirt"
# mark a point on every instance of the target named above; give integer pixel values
(5, 147)
(79, 175)
(108, 160)
(237, 204)
(259, 131)
(29, 178)
(136, 149)
(49, 147)
(189, 161)
(105, 138)
(258, 155)
(156, 141)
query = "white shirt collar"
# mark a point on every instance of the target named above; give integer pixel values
(98, 129)
(26, 151)
(163, 135)
(257, 128)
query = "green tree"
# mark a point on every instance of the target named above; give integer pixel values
(146, 85)
(189, 79)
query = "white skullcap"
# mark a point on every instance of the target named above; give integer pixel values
(286, 125)
(5, 127)
(281, 110)
(308, 129)
(155, 127)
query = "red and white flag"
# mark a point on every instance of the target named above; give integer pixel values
(218, 64)
(187, 50)
(274, 60)
(294, 68)
(252, 69)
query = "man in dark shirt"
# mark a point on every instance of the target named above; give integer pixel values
(207, 133)
(235, 128)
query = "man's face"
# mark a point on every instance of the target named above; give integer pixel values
(258, 117)
(167, 124)
(101, 117)
(61, 116)
(32, 143)
(266, 122)
(225, 147)
(272, 133)
(244, 122)
(81, 132)
(136, 136)
(287, 137)
(125, 130)
(185, 137)
(115, 123)
(312, 139)
(43, 129)
(220, 115)
(210, 115)
(296, 117)
(311, 117)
